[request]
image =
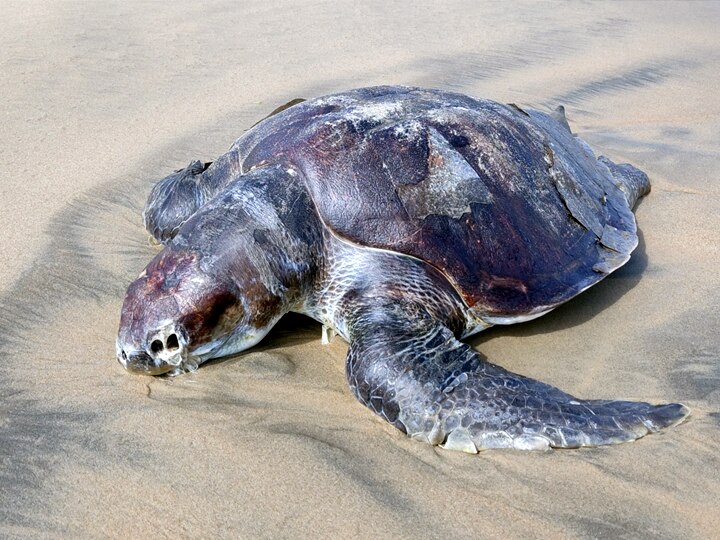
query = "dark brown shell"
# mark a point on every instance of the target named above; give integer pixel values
(515, 211)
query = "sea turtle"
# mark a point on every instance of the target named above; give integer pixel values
(404, 219)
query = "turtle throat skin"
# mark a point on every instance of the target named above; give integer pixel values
(231, 272)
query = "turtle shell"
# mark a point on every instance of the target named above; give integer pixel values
(512, 208)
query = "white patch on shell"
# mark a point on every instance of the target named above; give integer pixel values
(357, 113)
(406, 130)
(375, 111)
(450, 187)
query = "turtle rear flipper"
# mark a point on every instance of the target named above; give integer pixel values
(420, 378)
(632, 181)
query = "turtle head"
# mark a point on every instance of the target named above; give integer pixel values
(176, 315)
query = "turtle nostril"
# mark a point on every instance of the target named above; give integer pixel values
(172, 342)
(124, 356)
(156, 346)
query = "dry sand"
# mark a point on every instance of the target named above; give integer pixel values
(101, 99)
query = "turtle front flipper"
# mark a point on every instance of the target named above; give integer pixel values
(410, 369)
(173, 200)
(176, 198)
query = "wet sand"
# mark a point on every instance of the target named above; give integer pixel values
(100, 100)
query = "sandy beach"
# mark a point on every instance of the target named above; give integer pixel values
(101, 100)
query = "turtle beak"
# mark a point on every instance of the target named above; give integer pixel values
(141, 363)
